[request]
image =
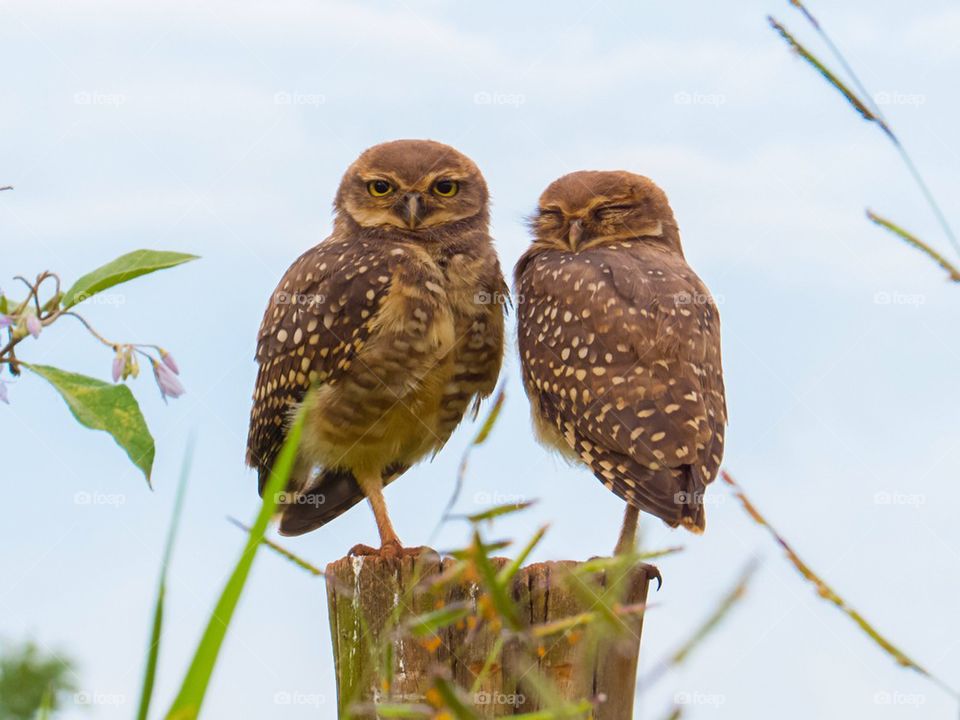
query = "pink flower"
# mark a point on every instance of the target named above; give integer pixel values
(5, 321)
(169, 361)
(3, 392)
(168, 383)
(33, 325)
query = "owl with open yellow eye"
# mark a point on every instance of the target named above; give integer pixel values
(394, 324)
(620, 346)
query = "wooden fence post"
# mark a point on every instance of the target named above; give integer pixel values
(378, 662)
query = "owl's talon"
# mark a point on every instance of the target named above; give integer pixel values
(391, 549)
(653, 573)
(361, 550)
(419, 550)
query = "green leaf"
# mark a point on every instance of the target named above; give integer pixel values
(194, 687)
(492, 657)
(619, 563)
(102, 406)
(505, 576)
(498, 511)
(46, 705)
(153, 652)
(429, 623)
(124, 268)
(490, 420)
(488, 548)
(488, 576)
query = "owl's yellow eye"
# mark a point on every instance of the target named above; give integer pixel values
(446, 188)
(379, 188)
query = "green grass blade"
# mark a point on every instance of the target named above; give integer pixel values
(827, 593)
(505, 576)
(452, 700)
(847, 67)
(851, 97)
(625, 561)
(492, 657)
(696, 638)
(188, 701)
(153, 653)
(488, 575)
(479, 439)
(431, 622)
(282, 551)
(491, 419)
(912, 239)
(467, 553)
(571, 622)
(499, 511)
(865, 105)
(722, 609)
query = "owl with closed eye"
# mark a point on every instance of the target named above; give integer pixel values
(619, 344)
(389, 332)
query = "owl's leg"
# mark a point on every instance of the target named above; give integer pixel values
(628, 533)
(372, 486)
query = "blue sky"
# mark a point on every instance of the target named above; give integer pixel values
(223, 129)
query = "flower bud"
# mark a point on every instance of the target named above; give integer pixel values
(169, 361)
(168, 383)
(33, 325)
(119, 363)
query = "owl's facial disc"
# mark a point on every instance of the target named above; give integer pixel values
(412, 187)
(587, 209)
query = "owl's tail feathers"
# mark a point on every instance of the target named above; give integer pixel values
(693, 517)
(325, 498)
(330, 495)
(675, 495)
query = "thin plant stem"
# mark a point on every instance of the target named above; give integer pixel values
(867, 98)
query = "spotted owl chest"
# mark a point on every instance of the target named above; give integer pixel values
(414, 333)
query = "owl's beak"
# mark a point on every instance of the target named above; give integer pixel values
(411, 209)
(575, 234)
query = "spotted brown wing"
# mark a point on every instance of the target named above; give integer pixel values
(620, 349)
(317, 318)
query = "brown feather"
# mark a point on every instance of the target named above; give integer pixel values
(620, 344)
